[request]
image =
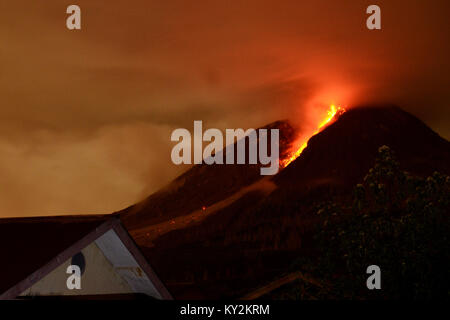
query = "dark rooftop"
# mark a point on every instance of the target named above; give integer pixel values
(27, 244)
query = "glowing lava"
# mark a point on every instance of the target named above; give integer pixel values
(330, 116)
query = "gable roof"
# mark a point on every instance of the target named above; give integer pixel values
(30, 248)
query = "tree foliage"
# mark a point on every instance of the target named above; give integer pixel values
(396, 221)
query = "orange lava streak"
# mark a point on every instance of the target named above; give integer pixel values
(330, 115)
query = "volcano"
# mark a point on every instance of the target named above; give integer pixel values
(202, 186)
(344, 152)
(219, 231)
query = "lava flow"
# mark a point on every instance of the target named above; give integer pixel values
(330, 116)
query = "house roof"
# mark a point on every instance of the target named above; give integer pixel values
(32, 247)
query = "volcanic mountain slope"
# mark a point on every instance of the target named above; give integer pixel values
(344, 152)
(338, 156)
(251, 240)
(201, 186)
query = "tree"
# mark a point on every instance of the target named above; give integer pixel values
(396, 221)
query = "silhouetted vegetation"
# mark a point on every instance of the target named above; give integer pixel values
(396, 221)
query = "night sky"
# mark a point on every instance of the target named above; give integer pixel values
(86, 115)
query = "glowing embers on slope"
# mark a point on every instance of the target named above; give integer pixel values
(331, 113)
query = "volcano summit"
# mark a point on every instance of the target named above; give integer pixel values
(233, 230)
